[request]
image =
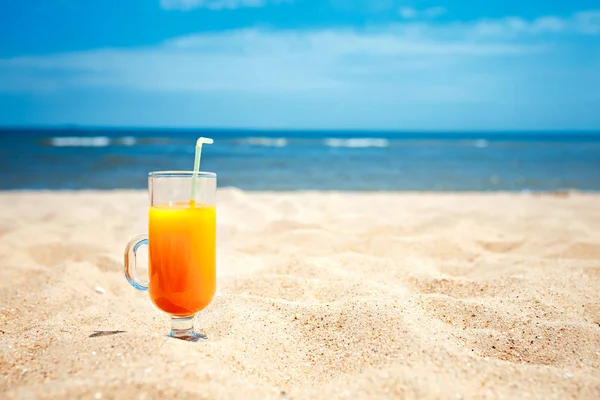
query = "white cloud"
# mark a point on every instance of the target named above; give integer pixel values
(260, 60)
(215, 5)
(246, 60)
(428, 13)
(587, 23)
(549, 24)
(408, 12)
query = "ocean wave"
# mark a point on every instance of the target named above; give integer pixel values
(74, 141)
(357, 142)
(94, 141)
(481, 143)
(126, 141)
(265, 141)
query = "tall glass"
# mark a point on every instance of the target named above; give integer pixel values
(182, 248)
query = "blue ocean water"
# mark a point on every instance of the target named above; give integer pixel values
(293, 160)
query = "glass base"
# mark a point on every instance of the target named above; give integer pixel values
(183, 328)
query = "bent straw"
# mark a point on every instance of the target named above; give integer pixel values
(199, 144)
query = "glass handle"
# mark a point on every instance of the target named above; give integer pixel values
(131, 261)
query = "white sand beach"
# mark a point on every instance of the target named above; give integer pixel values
(320, 296)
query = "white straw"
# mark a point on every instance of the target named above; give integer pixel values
(199, 144)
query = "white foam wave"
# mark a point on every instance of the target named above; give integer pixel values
(482, 143)
(357, 142)
(126, 141)
(264, 141)
(74, 141)
(95, 141)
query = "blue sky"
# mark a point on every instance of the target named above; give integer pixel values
(301, 64)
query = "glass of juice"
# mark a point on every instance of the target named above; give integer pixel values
(181, 244)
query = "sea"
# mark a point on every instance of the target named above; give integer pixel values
(68, 158)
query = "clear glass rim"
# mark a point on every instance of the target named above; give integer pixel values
(181, 174)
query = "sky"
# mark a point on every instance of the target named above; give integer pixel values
(301, 64)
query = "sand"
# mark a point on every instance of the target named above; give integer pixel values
(320, 296)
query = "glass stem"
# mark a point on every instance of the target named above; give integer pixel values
(181, 325)
(183, 328)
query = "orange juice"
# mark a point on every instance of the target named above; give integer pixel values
(182, 265)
